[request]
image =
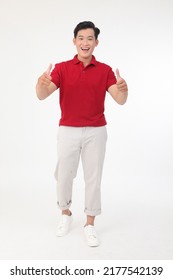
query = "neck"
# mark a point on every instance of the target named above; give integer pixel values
(85, 61)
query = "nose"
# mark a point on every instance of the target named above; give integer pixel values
(85, 42)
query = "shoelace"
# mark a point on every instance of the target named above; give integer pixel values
(92, 232)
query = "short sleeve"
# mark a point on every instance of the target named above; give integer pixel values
(55, 74)
(111, 80)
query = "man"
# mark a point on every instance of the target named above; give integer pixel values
(82, 83)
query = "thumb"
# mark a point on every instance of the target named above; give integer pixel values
(118, 74)
(49, 69)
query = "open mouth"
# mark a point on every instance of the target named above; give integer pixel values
(85, 49)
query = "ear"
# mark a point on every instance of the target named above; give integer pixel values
(74, 41)
(97, 42)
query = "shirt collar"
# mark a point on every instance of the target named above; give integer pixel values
(77, 61)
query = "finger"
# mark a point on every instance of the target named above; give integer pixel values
(122, 86)
(45, 79)
(118, 74)
(49, 69)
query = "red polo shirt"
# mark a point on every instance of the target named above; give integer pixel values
(82, 91)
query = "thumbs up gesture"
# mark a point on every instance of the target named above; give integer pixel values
(45, 78)
(121, 83)
(49, 69)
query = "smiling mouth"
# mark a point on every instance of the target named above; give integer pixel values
(85, 49)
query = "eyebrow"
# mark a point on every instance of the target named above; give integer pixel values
(90, 36)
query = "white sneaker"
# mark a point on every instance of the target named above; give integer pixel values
(91, 236)
(64, 225)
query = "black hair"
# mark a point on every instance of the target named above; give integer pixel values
(85, 25)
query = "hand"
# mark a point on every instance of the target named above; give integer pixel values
(45, 79)
(121, 83)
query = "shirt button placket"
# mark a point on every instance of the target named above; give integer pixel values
(83, 74)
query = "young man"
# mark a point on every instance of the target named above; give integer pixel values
(82, 82)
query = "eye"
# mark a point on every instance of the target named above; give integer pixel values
(90, 38)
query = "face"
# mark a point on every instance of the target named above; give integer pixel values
(85, 43)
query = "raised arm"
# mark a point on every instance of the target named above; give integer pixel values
(119, 91)
(44, 86)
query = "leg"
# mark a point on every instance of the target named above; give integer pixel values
(92, 154)
(68, 159)
(66, 169)
(66, 212)
(90, 220)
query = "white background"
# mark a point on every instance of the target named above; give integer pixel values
(137, 196)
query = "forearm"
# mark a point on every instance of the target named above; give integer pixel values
(121, 97)
(42, 91)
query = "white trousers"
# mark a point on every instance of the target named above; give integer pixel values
(87, 143)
